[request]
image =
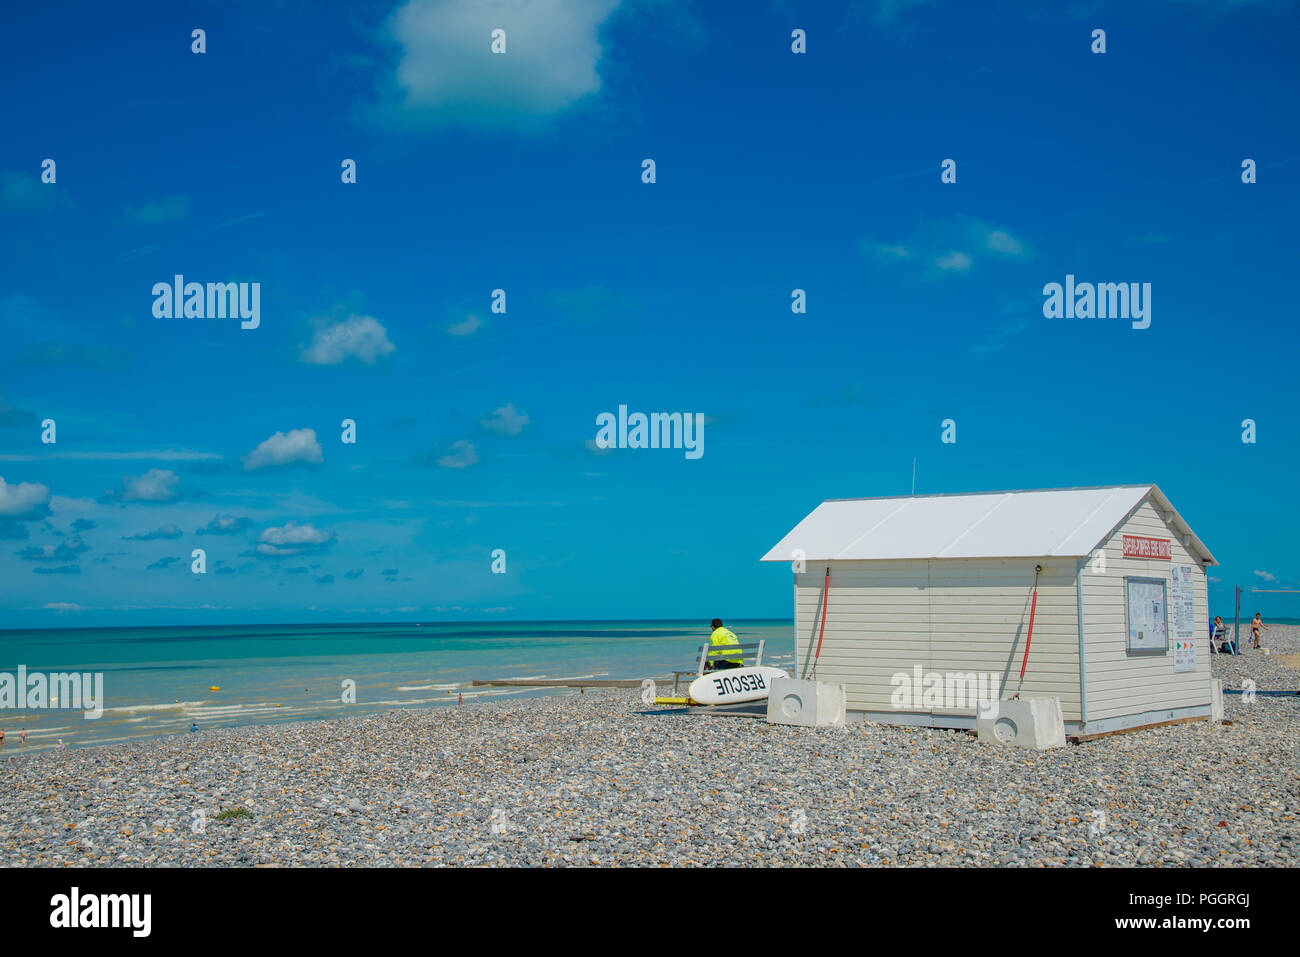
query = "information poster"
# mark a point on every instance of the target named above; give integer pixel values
(1148, 628)
(1182, 605)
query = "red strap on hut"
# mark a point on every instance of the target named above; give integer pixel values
(1029, 637)
(826, 592)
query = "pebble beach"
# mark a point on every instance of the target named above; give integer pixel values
(599, 779)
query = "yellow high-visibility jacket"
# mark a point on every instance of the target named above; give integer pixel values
(722, 637)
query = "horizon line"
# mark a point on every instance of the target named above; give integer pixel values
(453, 621)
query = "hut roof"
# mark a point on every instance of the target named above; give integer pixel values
(1068, 522)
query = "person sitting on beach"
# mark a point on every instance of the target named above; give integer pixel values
(1218, 633)
(723, 637)
(1256, 625)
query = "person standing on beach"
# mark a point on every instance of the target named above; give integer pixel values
(1256, 625)
(723, 637)
(22, 735)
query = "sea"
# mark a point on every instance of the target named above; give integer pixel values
(160, 680)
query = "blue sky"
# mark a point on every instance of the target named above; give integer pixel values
(522, 171)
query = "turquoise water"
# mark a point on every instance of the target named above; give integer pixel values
(157, 680)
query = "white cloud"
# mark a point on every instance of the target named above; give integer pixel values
(62, 607)
(153, 455)
(953, 262)
(951, 247)
(1000, 241)
(225, 525)
(170, 530)
(293, 539)
(45, 553)
(26, 191)
(506, 420)
(467, 327)
(155, 485)
(895, 253)
(1266, 576)
(461, 456)
(22, 499)
(358, 337)
(299, 445)
(447, 67)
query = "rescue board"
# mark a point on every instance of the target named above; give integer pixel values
(733, 685)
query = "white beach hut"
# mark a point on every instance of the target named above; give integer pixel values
(927, 598)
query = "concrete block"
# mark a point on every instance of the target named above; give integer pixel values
(809, 704)
(1036, 723)
(1216, 699)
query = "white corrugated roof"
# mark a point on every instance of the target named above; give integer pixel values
(1045, 522)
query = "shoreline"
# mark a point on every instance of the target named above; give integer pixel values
(163, 682)
(600, 779)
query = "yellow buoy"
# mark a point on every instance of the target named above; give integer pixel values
(214, 688)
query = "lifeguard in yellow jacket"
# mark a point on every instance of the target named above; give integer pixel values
(723, 638)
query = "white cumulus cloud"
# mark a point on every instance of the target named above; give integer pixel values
(155, 485)
(22, 499)
(953, 262)
(1001, 241)
(298, 445)
(447, 68)
(461, 456)
(466, 327)
(506, 420)
(358, 337)
(293, 539)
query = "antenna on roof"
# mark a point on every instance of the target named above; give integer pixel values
(913, 474)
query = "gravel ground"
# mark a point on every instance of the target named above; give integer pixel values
(598, 779)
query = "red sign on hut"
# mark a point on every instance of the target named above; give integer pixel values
(1137, 546)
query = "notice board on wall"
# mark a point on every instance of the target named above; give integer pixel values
(1182, 606)
(1148, 625)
